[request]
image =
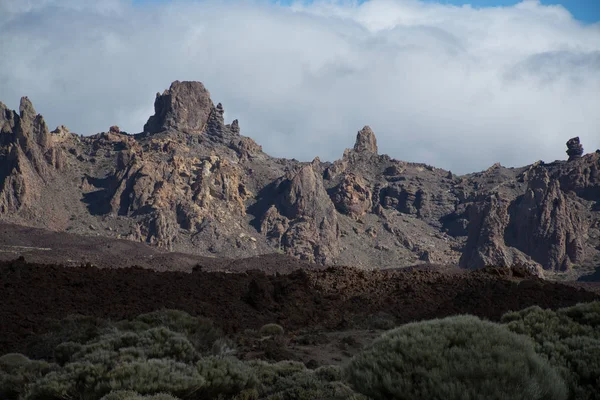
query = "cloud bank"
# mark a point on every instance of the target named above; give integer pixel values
(456, 87)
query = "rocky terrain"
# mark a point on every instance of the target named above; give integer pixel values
(190, 183)
(333, 299)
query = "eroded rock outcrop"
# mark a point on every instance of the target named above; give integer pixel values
(485, 243)
(544, 226)
(352, 196)
(547, 224)
(582, 176)
(308, 216)
(185, 106)
(179, 193)
(191, 183)
(574, 149)
(28, 157)
(366, 141)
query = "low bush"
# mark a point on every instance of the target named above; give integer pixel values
(223, 347)
(74, 328)
(170, 355)
(130, 346)
(17, 371)
(201, 332)
(131, 395)
(289, 380)
(454, 358)
(569, 339)
(271, 330)
(225, 376)
(85, 380)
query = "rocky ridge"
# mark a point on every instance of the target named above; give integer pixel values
(191, 183)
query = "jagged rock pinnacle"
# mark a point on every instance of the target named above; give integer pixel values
(366, 141)
(26, 109)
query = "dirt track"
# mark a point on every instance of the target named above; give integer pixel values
(335, 298)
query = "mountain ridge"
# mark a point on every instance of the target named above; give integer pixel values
(192, 183)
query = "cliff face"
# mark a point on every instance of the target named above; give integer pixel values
(192, 183)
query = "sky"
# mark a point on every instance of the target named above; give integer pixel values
(453, 84)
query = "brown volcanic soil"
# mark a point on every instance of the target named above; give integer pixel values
(336, 298)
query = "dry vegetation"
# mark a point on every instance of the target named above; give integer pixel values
(168, 354)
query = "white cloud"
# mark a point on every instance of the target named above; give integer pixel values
(456, 87)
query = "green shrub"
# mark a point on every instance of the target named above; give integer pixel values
(131, 395)
(73, 328)
(85, 380)
(155, 376)
(64, 352)
(587, 314)
(223, 347)
(290, 380)
(271, 330)
(454, 358)
(200, 331)
(570, 339)
(17, 371)
(152, 343)
(150, 361)
(225, 376)
(329, 373)
(74, 380)
(269, 374)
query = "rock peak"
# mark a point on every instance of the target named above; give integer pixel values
(574, 148)
(366, 141)
(26, 108)
(185, 107)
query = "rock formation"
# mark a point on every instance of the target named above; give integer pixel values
(304, 217)
(191, 183)
(28, 157)
(366, 141)
(185, 107)
(352, 196)
(548, 224)
(574, 149)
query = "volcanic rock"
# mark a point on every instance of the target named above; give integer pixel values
(574, 148)
(312, 233)
(366, 141)
(547, 224)
(185, 106)
(352, 196)
(191, 183)
(27, 158)
(485, 243)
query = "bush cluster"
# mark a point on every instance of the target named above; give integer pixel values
(170, 355)
(569, 339)
(289, 380)
(454, 358)
(131, 395)
(200, 331)
(17, 372)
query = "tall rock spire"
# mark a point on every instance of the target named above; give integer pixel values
(366, 141)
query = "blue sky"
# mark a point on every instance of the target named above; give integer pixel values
(583, 10)
(587, 11)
